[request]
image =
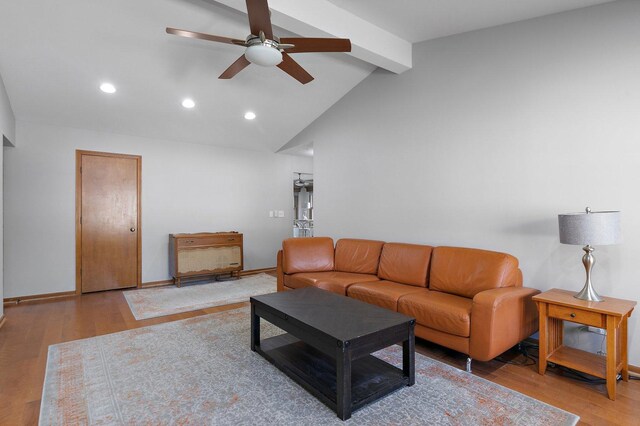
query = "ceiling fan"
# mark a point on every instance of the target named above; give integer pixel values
(299, 183)
(264, 49)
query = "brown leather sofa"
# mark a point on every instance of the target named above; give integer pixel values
(469, 300)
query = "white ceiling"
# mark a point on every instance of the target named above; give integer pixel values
(55, 54)
(420, 20)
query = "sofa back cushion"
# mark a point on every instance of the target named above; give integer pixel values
(358, 256)
(466, 272)
(405, 263)
(314, 254)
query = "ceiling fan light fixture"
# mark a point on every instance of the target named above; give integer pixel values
(263, 55)
(300, 183)
(108, 88)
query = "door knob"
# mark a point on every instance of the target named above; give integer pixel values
(132, 229)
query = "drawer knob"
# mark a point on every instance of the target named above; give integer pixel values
(572, 315)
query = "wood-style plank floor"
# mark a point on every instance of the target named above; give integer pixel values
(32, 326)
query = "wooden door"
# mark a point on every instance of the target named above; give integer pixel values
(108, 243)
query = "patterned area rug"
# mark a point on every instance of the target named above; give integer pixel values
(161, 301)
(200, 371)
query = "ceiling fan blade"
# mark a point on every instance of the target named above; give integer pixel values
(259, 18)
(302, 45)
(294, 69)
(202, 36)
(240, 64)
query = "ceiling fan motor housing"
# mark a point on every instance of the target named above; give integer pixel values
(264, 53)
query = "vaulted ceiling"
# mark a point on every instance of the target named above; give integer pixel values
(55, 54)
(420, 20)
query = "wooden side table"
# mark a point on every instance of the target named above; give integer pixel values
(556, 306)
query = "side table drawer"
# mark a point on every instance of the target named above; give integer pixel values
(578, 315)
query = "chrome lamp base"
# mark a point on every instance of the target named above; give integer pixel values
(588, 293)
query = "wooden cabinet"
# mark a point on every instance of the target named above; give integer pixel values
(556, 306)
(205, 253)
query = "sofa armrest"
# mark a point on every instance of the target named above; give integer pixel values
(501, 318)
(280, 272)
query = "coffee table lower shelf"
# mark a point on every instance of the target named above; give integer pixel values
(371, 377)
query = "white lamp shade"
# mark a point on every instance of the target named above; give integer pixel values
(265, 56)
(594, 228)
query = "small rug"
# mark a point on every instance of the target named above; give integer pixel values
(157, 302)
(200, 371)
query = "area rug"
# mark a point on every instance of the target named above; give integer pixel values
(200, 371)
(161, 301)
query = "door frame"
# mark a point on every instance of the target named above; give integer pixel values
(138, 158)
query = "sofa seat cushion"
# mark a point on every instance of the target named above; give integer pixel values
(382, 293)
(359, 256)
(440, 311)
(337, 282)
(405, 263)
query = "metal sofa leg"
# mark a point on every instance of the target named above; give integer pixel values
(469, 364)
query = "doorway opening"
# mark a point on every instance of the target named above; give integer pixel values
(302, 204)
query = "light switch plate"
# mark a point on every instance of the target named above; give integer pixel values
(271, 213)
(280, 213)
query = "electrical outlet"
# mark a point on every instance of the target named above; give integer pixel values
(280, 213)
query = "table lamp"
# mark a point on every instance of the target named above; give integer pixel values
(590, 228)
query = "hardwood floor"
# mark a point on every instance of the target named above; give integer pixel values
(31, 327)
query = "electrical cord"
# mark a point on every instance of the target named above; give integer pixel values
(522, 348)
(576, 375)
(528, 362)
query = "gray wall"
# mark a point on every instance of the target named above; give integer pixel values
(7, 129)
(185, 188)
(488, 138)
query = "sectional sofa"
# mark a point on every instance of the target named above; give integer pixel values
(469, 300)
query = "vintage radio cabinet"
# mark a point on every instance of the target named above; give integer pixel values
(205, 253)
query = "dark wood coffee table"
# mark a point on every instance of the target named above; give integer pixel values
(328, 345)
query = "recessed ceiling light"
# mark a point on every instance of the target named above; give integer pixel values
(188, 103)
(108, 88)
(250, 115)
